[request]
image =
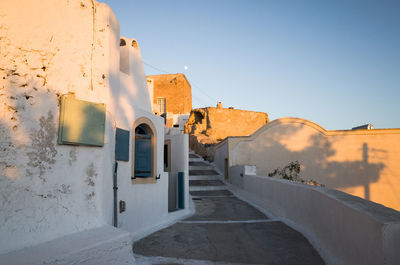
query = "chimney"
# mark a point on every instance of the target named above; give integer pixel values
(219, 105)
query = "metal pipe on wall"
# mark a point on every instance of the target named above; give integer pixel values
(115, 188)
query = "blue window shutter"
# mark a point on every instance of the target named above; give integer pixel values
(122, 145)
(181, 190)
(142, 157)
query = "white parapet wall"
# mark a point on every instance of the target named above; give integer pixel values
(345, 229)
(363, 163)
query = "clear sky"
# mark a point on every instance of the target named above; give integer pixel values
(336, 63)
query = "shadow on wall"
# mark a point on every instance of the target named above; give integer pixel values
(37, 193)
(316, 154)
(129, 90)
(28, 152)
(355, 173)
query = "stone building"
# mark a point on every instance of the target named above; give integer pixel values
(210, 125)
(171, 97)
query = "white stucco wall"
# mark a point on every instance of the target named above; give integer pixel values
(343, 228)
(46, 189)
(360, 162)
(146, 204)
(128, 95)
(180, 159)
(51, 48)
(221, 153)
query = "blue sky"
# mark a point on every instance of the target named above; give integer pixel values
(336, 63)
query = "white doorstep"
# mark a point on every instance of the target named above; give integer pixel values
(105, 245)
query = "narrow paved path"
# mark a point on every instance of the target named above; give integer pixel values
(224, 230)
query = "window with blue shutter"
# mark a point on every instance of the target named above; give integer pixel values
(142, 152)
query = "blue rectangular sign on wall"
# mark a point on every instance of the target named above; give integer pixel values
(122, 145)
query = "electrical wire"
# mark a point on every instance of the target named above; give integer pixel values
(202, 91)
(212, 99)
(155, 68)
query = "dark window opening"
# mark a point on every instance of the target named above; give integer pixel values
(141, 130)
(134, 44)
(165, 157)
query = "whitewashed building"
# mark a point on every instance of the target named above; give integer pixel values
(68, 84)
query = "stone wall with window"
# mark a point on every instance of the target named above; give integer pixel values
(172, 95)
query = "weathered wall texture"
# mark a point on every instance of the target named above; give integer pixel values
(208, 126)
(49, 49)
(175, 88)
(360, 162)
(48, 190)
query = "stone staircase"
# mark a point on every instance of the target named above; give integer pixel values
(203, 176)
(223, 230)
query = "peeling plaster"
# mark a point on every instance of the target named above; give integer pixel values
(43, 146)
(90, 181)
(45, 189)
(72, 156)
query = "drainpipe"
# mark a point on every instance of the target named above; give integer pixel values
(115, 188)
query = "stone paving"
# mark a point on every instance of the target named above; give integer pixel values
(225, 230)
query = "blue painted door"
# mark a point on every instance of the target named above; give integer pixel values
(143, 156)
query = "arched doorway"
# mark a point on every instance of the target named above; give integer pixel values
(144, 152)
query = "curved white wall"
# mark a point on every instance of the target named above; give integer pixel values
(51, 48)
(360, 162)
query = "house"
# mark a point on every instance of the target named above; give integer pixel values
(81, 150)
(172, 98)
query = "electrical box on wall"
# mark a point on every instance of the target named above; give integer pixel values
(81, 122)
(122, 145)
(122, 206)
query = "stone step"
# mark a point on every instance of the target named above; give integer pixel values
(206, 182)
(202, 172)
(196, 160)
(205, 167)
(202, 163)
(207, 188)
(211, 193)
(204, 177)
